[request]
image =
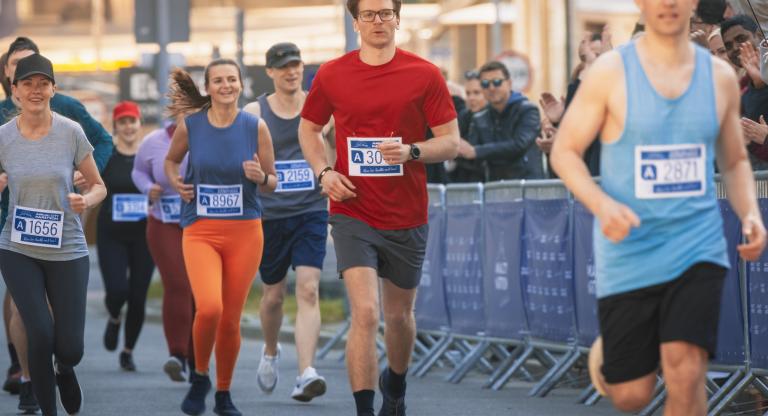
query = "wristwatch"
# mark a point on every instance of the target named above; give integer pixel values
(415, 152)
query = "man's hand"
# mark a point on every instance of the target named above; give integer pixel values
(547, 139)
(466, 150)
(754, 132)
(337, 186)
(699, 37)
(750, 61)
(393, 152)
(616, 220)
(553, 108)
(754, 230)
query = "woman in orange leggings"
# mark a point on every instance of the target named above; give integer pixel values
(230, 161)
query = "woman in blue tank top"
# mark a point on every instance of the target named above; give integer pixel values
(230, 162)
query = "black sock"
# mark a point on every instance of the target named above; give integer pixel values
(13, 355)
(364, 402)
(394, 383)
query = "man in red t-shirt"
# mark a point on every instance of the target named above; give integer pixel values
(382, 100)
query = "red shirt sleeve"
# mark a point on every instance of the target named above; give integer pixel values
(438, 104)
(317, 107)
(759, 150)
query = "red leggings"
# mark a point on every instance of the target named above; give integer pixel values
(178, 305)
(222, 257)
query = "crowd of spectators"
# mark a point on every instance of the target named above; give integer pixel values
(507, 137)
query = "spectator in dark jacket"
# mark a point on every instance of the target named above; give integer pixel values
(502, 136)
(463, 170)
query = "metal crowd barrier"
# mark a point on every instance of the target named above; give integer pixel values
(509, 278)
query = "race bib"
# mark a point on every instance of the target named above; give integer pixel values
(37, 227)
(219, 200)
(366, 160)
(170, 209)
(670, 171)
(294, 176)
(129, 207)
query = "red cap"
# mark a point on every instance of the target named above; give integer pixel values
(126, 109)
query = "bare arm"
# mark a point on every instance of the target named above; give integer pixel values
(179, 147)
(96, 190)
(337, 186)
(734, 164)
(253, 108)
(444, 146)
(582, 121)
(263, 164)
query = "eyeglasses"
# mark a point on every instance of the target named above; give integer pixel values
(486, 83)
(370, 15)
(471, 75)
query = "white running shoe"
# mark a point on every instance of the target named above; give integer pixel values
(267, 375)
(308, 386)
(175, 369)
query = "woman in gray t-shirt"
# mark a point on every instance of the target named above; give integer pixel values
(43, 254)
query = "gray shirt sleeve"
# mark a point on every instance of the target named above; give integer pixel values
(82, 146)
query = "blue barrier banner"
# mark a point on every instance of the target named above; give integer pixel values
(464, 268)
(730, 336)
(431, 311)
(547, 273)
(757, 279)
(504, 310)
(587, 325)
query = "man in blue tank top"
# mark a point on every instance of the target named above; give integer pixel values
(295, 228)
(665, 110)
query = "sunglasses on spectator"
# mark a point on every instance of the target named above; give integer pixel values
(471, 75)
(486, 83)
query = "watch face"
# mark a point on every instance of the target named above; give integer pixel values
(415, 151)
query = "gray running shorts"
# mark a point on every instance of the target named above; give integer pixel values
(396, 255)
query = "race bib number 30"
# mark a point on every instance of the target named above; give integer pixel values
(366, 160)
(294, 176)
(219, 200)
(670, 171)
(170, 209)
(129, 207)
(37, 227)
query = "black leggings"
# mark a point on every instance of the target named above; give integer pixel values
(33, 284)
(118, 258)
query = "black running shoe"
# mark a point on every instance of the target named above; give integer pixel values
(224, 405)
(390, 406)
(12, 382)
(194, 402)
(27, 401)
(126, 361)
(70, 394)
(111, 333)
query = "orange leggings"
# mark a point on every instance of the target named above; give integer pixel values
(222, 257)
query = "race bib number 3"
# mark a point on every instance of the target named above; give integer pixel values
(129, 207)
(219, 200)
(294, 176)
(170, 209)
(670, 171)
(37, 227)
(366, 160)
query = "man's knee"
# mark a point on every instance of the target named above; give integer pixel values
(399, 318)
(684, 366)
(366, 317)
(631, 398)
(307, 292)
(272, 298)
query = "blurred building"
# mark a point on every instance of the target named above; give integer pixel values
(537, 37)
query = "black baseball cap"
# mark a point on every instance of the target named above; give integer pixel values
(281, 54)
(34, 64)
